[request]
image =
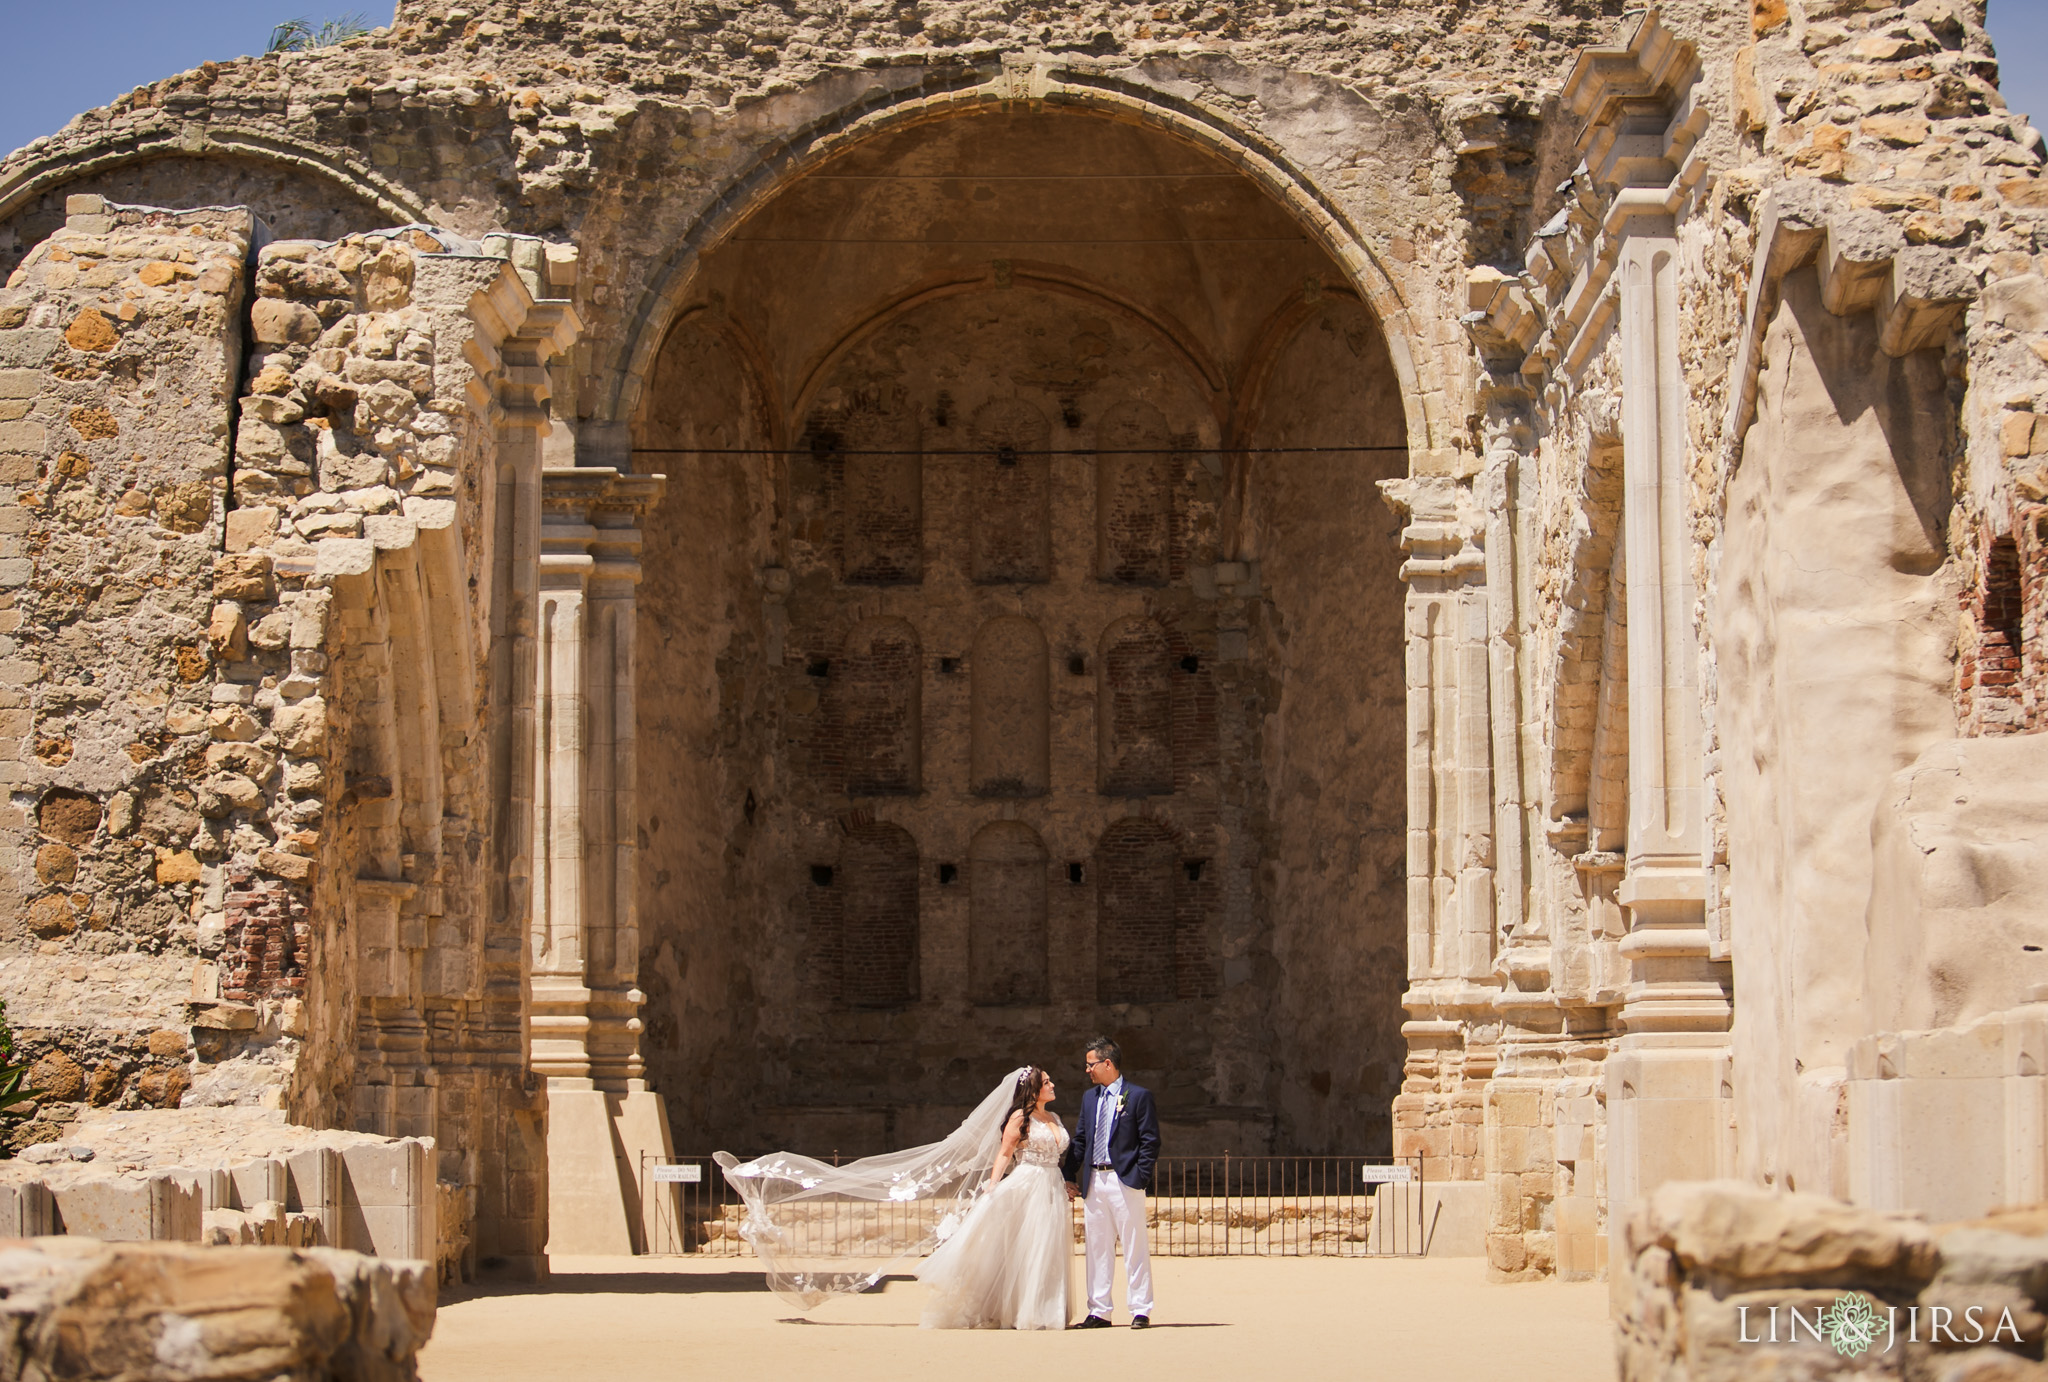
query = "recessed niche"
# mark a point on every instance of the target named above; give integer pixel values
(1006, 867)
(1134, 913)
(1009, 739)
(1011, 481)
(876, 718)
(1134, 495)
(878, 916)
(883, 540)
(1134, 710)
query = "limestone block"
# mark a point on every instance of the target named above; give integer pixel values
(256, 1181)
(587, 1209)
(1744, 1231)
(315, 1185)
(27, 1210)
(1580, 1245)
(131, 1209)
(1905, 1154)
(1453, 1221)
(26, 347)
(388, 1198)
(274, 321)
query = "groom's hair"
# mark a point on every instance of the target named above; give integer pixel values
(1107, 1049)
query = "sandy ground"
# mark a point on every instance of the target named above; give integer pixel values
(628, 1319)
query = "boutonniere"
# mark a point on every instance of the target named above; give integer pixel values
(1119, 1103)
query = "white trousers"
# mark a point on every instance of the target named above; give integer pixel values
(1113, 1212)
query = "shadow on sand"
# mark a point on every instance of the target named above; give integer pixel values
(611, 1284)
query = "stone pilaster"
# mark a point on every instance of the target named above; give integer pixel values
(585, 939)
(1668, 1083)
(1452, 1029)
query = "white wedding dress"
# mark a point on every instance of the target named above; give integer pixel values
(1003, 1252)
(1010, 1263)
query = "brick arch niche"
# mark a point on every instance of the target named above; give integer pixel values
(1007, 886)
(875, 730)
(1134, 913)
(1134, 709)
(878, 922)
(967, 681)
(1009, 739)
(1134, 495)
(1012, 484)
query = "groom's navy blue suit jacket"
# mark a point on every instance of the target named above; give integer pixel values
(1133, 1137)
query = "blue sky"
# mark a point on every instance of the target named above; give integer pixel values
(52, 75)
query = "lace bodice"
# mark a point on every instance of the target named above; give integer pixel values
(1044, 1143)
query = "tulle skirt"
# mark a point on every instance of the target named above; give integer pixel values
(1010, 1264)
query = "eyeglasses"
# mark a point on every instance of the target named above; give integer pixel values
(1091, 1064)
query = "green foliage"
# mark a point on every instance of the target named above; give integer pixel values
(13, 1074)
(301, 35)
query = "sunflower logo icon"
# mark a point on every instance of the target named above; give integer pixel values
(1851, 1324)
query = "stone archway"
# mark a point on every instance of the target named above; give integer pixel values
(669, 287)
(300, 192)
(1026, 371)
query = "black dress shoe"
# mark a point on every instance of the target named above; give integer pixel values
(1141, 1321)
(1093, 1322)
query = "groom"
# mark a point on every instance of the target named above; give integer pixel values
(1111, 1159)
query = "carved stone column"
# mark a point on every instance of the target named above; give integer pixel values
(1669, 1093)
(585, 939)
(1452, 1029)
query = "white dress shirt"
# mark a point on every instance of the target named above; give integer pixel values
(1105, 1115)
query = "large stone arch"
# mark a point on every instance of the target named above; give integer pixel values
(867, 114)
(1052, 278)
(944, 275)
(118, 166)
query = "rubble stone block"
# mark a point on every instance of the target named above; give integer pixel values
(158, 1312)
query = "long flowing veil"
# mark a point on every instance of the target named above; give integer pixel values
(822, 1231)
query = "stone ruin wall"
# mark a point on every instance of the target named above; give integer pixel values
(1847, 187)
(1430, 133)
(1851, 176)
(258, 815)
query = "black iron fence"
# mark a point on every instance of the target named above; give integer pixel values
(1199, 1206)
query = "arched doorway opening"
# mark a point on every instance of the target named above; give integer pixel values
(1022, 474)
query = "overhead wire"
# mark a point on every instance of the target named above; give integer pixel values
(993, 450)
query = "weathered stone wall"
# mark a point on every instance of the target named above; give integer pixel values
(629, 135)
(258, 860)
(123, 350)
(1626, 311)
(1835, 619)
(1714, 1273)
(354, 611)
(1871, 146)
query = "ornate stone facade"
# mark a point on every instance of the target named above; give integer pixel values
(1465, 581)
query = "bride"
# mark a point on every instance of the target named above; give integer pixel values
(987, 1206)
(1010, 1264)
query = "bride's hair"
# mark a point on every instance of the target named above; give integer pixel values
(1026, 1097)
